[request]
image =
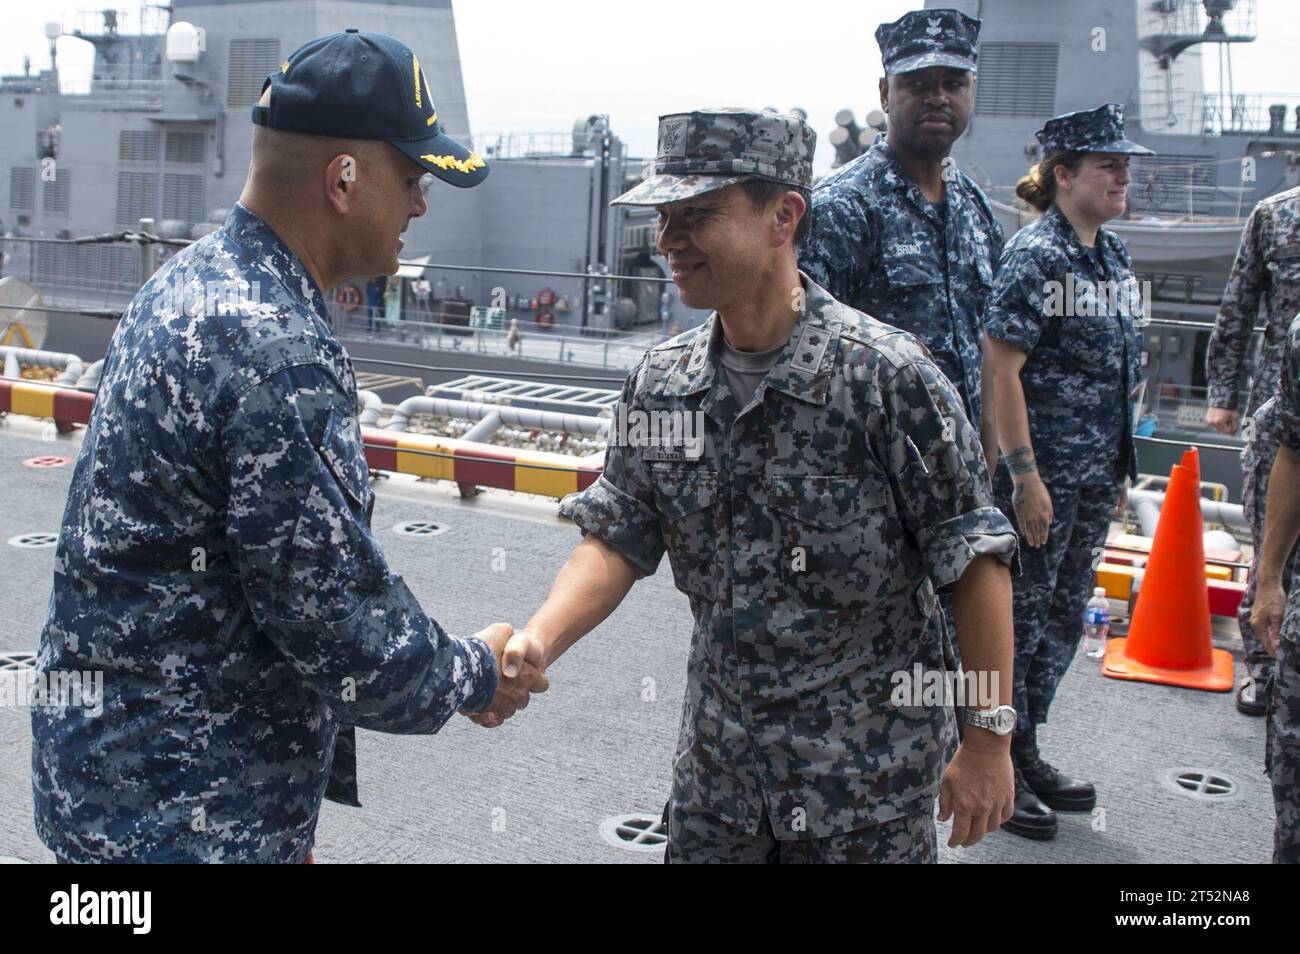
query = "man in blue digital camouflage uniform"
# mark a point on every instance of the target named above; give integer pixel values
(814, 483)
(215, 561)
(902, 234)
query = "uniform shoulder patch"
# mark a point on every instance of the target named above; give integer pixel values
(897, 346)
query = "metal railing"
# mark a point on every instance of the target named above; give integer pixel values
(525, 145)
(127, 19)
(1220, 113)
(105, 273)
(76, 276)
(124, 86)
(1215, 113)
(530, 341)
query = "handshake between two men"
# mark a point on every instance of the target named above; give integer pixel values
(521, 668)
(590, 585)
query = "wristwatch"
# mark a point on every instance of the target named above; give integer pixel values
(999, 721)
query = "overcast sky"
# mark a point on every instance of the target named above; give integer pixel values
(536, 66)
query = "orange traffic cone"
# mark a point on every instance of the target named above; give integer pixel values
(1169, 637)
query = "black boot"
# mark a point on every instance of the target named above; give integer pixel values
(1061, 792)
(1251, 702)
(1254, 702)
(1032, 819)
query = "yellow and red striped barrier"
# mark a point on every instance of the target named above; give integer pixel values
(66, 405)
(483, 465)
(424, 455)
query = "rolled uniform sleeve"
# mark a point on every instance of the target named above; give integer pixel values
(313, 573)
(619, 508)
(1017, 304)
(1227, 355)
(938, 476)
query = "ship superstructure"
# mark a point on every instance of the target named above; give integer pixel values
(159, 132)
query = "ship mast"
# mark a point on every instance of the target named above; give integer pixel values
(1184, 26)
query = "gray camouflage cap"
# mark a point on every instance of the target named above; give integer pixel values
(1089, 130)
(709, 149)
(925, 38)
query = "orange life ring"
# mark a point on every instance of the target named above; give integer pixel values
(349, 296)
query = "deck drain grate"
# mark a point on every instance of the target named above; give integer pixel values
(1200, 783)
(34, 540)
(16, 661)
(419, 528)
(47, 461)
(634, 832)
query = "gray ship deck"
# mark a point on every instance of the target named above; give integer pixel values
(591, 748)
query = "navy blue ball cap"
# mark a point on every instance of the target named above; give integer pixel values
(356, 85)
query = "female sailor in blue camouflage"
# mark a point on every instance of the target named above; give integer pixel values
(1277, 605)
(1063, 349)
(216, 562)
(1266, 273)
(900, 233)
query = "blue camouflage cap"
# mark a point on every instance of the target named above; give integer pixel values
(1089, 130)
(356, 85)
(925, 38)
(709, 149)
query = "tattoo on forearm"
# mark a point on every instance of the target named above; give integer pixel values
(1021, 461)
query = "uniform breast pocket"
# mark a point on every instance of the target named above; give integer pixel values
(334, 552)
(688, 503)
(1096, 340)
(1123, 299)
(1284, 263)
(345, 457)
(838, 541)
(912, 273)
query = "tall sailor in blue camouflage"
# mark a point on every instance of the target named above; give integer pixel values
(902, 234)
(1064, 357)
(216, 562)
(824, 481)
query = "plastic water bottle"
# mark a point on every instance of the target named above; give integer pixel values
(1096, 624)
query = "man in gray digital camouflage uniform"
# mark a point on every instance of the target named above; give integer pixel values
(1276, 615)
(815, 482)
(216, 563)
(1266, 272)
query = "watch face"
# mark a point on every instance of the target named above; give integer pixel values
(1006, 719)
